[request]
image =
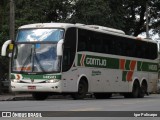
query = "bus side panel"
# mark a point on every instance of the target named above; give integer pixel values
(101, 80)
(152, 86)
(85, 72)
(121, 84)
(108, 80)
(69, 79)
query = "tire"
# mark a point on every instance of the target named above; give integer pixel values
(40, 96)
(143, 90)
(135, 91)
(82, 90)
(102, 95)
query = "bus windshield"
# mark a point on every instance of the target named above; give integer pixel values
(35, 57)
(33, 35)
(33, 53)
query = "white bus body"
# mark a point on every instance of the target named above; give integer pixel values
(88, 59)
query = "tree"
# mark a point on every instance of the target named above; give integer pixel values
(33, 11)
(135, 15)
(91, 12)
(128, 15)
(4, 19)
(4, 35)
(155, 15)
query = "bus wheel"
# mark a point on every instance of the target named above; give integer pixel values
(143, 90)
(39, 96)
(102, 95)
(136, 90)
(82, 90)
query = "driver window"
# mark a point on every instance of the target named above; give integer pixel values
(69, 49)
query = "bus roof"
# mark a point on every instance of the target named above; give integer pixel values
(96, 28)
(47, 25)
(66, 25)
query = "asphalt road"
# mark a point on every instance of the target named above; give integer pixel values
(119, 104)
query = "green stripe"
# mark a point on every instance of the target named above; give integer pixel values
(79, 59)
(45, 76)
(147, 66)
(96, 61)
(124, 75)
(114, 63)
(127, 65)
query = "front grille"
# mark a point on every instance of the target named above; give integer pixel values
(32, 82)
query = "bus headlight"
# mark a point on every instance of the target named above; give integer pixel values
(16, 81)
(52, 81)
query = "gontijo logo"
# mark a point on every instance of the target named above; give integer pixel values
(92, 61)
(97, 62)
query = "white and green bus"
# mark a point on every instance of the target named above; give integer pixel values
(77, 59)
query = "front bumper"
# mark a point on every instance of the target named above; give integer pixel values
(36, 87)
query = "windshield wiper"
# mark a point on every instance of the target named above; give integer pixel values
(36, 58)
(28, 58)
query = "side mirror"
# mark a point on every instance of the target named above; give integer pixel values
(4, 47)
(60, 48)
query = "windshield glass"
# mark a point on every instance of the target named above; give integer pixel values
(35, 58)
(32, 35)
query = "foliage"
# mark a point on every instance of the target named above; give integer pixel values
(128, 15)
(91, 12)
(4, 28)
(33, 11)
(4, 33)
(135, 15)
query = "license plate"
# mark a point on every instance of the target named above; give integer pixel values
(31, 87)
